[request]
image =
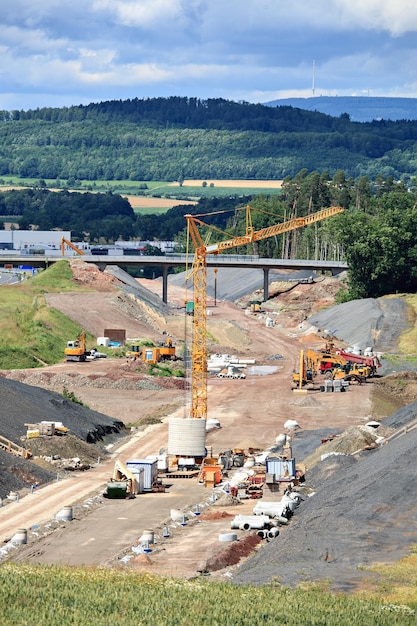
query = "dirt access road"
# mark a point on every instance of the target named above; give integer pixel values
(252, 413)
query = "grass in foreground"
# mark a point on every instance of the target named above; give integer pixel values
(50, 596)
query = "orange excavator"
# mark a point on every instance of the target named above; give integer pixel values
(76, 349)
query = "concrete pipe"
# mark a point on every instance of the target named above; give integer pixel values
(262, 533)
(254, 521)
(227, 537)
(65, 514)
(148, 535)
(20, 537)
(272, 533)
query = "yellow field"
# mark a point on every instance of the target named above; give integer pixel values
(252, 184)
(137, 202)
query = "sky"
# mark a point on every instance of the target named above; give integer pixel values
(57, 53)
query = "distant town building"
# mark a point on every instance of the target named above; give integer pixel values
(48, 242)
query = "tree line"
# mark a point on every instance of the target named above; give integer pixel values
(177, 138)
(376, 234)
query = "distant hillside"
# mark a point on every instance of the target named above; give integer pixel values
(360, 109)
(172, 139)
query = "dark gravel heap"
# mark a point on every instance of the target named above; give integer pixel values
(362, 512)
(21, 404)
(17, 473)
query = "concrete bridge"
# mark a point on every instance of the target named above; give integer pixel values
(170, 261)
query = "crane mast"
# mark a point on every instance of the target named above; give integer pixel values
(199, 272)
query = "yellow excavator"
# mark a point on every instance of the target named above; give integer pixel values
(76, 350)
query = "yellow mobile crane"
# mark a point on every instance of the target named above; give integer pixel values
(201, 250)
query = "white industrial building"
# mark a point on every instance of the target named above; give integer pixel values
(48, 242)
(33, 241)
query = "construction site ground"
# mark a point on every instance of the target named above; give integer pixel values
(251, 412)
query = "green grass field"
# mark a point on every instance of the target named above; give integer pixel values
(52, 596)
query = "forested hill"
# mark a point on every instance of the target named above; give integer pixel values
(179, 112)
(176, 138)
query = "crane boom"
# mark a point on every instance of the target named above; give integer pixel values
(199, 342)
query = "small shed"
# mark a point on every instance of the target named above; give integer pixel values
(148, 470)
(281, 469)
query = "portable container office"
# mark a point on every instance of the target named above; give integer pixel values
(150, 470)
(139, 474)
(280, 468)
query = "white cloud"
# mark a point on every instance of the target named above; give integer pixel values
(238, 49)
(144, 13)
(396, 17)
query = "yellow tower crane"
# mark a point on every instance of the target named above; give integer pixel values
(201, 250)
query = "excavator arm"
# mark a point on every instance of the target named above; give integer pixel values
(71, 245)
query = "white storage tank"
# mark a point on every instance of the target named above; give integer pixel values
(187, 437)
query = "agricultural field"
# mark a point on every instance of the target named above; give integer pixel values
(150, 197)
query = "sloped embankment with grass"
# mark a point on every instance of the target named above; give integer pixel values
(31, 333)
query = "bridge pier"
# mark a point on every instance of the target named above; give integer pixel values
(165, 284)
(266, 283)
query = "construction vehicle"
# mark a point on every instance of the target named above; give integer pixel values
(331, 357)
(65, 242)
(167, 350)
(76, 350)
(134, 350)
(351, 372)
(330, 364)
(199, 274)
(152, 354)
(372, 361)
(123, 483)
(306, 372)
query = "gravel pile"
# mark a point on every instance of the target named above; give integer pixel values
(234, 283)
(362, 512)
(365, 323)
(21, 404)
(61, 380)
(129, 285)
(17, 473)
(25, 404)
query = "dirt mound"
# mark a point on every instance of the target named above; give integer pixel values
(402, 385)
(22, 404)
(237, 551)
(351, 441)
(17, 474)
